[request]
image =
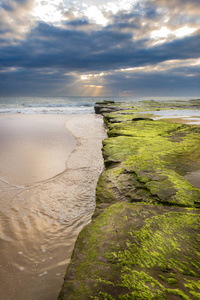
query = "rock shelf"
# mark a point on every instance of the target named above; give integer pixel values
(143, 241)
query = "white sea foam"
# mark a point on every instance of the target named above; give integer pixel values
(47, 110)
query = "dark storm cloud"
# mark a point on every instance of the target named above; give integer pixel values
(106, 49)
(44, 82)
(49, 46)
(153, 84)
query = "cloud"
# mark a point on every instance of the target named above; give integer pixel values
(50, 46)
(153, 84)
(190, 6)
(13, 5)
(40, 82)
(145, 35)
(15, 21)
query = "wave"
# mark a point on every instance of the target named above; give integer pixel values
(48, 109)
(58, 105)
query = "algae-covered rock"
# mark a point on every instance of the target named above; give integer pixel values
(107, 107)
(144, 239)
(134, 251)
(157, 154)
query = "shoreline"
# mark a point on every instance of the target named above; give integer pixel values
(41, 221)
(142, 240)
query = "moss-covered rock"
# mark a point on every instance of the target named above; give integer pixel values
(136, 251)
(150, 158)
(144, 239)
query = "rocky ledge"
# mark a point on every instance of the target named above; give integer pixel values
(143, 241)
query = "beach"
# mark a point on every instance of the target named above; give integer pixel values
(50, 165)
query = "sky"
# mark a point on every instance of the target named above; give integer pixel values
(100, 48)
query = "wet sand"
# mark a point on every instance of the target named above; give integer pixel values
(33, 147)
(50, 166)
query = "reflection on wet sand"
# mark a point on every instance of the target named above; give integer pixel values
(40, 220)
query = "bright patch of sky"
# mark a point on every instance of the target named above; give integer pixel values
(164, 33)
(161, 33)
(51, 11)
(181, 32)
(119, 5)
(48, 11)
(94, 13)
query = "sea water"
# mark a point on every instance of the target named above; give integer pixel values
(67, 105)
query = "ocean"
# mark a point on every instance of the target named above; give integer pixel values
(66, 105)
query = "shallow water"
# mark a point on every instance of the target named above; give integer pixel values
(40, 221)
(190, 116)
(194, 178)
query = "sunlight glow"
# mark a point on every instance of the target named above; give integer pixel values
(9, 69)
(96, 15)
(164, 66)
(161, 33)
(92, 90)
(86, 77)
(48, 11)
(92, 85)
(181, 32)
(161, 67)
(131, 69)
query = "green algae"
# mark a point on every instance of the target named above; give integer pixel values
(143, 242)
(123, 252)
(193, 288)
(159, 149)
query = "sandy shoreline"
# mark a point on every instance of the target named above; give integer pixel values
(40, 221)
(33, 147)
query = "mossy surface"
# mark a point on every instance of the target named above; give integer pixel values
(136, 251)
(143, 242)
(150, 157)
